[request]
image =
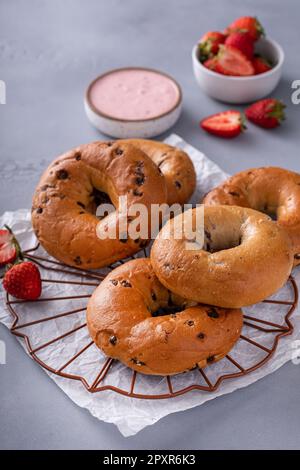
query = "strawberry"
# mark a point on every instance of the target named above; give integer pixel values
(261, 65)
(7, 253)
(209, 44)
(210, 63)
(9, 247)
(5, 236)
(267, 113)
(243, 42)
(227, 124)
(231, 61)
(23, 281)
(246, 24)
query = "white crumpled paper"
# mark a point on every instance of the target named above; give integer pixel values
(131, 415)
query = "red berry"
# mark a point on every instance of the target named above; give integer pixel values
(267, 113)
(23, 281)
(209, 44)
(261, 65)
(231, 61)
(210, 63)
(5, 236)
(243, 42)
(8, 254)
(246, 24)
(227, 124)
(8, 247)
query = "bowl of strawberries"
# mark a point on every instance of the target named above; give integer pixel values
(238, 65)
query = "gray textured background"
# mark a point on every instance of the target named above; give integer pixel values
(49, 51)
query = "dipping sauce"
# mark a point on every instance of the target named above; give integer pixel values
(134, 94)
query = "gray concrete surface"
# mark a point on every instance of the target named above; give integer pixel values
(49, 51)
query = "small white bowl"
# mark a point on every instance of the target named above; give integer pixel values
(241, 89)
(129, 128)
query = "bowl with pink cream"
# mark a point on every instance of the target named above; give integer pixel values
(133, 102)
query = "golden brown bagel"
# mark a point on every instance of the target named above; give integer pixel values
(246, 257)
(176, 166)
(274, 191)
(122, 320)
(65, 201)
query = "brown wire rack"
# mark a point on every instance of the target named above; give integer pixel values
(194, 380)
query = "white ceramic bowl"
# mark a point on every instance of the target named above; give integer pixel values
(128, 128)
(241, 89)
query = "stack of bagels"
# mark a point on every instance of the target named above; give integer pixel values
(180, 308)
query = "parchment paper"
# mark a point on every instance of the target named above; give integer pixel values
(128, 414)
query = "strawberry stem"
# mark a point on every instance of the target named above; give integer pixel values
(277, 111)
(204, 50)
(9, 229)
(260, 28)
(243, 122)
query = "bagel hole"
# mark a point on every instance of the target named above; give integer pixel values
(270, 211)
(98, 198)
(170, 310)
(227, 246)
(215, 244)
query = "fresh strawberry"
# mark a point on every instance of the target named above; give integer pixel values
(209, 44)
(261, 65)
(267, 113)
(23, 281)
(242, 41)
(246, 24)
(227, 124)
(8, 254)
(9, 247)
(231, 61)
(5, 236)
(210, 63)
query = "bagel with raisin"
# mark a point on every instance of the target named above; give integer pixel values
(245, 256)
(272, 190)
(132, 317)
(66, 198)
(176, 166)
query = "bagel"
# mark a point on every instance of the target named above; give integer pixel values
(246, 257)
(271, 190)
(176, 166)
(129, 319)
(65, 201)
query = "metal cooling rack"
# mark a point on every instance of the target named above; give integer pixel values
(101, 381)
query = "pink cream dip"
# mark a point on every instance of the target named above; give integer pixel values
(134, 94)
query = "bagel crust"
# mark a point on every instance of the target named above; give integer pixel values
(66, 198)
(246, 257)
(271, 190)
(176, 166)
(124, 321)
